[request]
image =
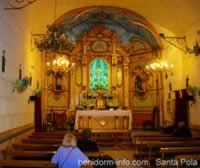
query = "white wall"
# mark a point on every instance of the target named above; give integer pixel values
(15, 39)
(192, 64)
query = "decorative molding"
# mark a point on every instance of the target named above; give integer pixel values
(18, 4)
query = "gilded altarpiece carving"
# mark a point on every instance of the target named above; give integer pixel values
(124, 40)
(125, 74)
(56, 88)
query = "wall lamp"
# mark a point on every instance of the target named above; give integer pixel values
(174, 40)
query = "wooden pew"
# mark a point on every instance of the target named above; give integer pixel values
(187, 157)
(136, 136)
(191, 156)
(31, 155)
(50, 133)
(36, 147)
(179, 150)
(151, 145)
(30, 164)
(18, 154)
(100, 142)
(26, 164)
(46, 137)
(41, 141)
(142, 139)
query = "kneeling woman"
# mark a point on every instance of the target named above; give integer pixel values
(69, 155)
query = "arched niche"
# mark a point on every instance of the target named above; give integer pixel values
(99, 74)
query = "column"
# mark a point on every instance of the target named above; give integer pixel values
(84, 71)
(114, 70)
(84, 63)
(114, 63)
(72, 90)
(126, 82)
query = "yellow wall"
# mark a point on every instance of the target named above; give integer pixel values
(156, 12)
(192, 68)
(17, 26)
(15, 39)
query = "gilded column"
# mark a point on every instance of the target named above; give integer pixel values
(114, 64)
(72, 90)
(126, 82)
(114, 70)
(84, 64)
(84, 71)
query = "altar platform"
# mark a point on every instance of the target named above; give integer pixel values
(104, 120)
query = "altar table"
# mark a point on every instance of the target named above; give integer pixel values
(103, 120)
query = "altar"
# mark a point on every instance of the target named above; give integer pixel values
(103, 120)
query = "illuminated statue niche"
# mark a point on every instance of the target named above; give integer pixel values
(99, 74)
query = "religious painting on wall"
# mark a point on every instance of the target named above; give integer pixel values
(99, 76)
(141, 82)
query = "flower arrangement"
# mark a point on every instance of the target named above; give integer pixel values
(21, 84)
(194, 90)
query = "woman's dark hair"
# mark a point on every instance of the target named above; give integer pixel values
(86, 133)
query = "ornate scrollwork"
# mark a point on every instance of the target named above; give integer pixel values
(19, 4)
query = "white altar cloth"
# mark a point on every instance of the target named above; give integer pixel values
(103, 113)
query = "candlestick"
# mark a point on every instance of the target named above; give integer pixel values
(170, 86)
(3, 62)
(20, 72)
(187, 81)
(37, 84)
(30, 80)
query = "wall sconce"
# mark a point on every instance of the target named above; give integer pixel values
(170, 39)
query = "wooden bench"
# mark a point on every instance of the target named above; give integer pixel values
(26, 164)
(40, 147)
(30, 155)
(141, 140)
(30, 164)
(136, 137)
(152, 145)
(47, 136)
(179, 150)
(100, 142)
(41, 141)
(19, 154)
(187, 157)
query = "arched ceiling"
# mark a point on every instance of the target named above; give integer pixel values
(176, 16)
(125, 24)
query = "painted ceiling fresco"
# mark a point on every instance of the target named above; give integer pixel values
(125, 25)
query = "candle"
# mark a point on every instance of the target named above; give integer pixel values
(30, 80)
(37, 85)
(3, 62)
(170, 86)
(187, 81)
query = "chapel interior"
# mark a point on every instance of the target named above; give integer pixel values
(127, 71)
